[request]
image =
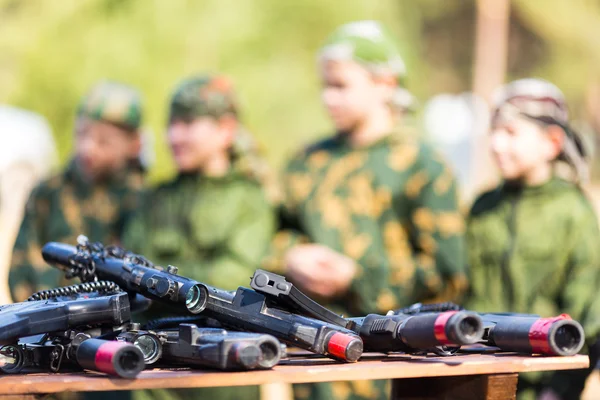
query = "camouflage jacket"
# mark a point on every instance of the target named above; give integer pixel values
(535, 250)
(62, 208)
(391, 206)
(215, 230)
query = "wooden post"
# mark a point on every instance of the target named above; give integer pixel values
(484, 387)
(489, 70)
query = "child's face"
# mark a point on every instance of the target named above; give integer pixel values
(103, 149)
(350, 92)
(194, 143)
(520, 146)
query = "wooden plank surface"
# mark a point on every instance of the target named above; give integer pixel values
(295, 370)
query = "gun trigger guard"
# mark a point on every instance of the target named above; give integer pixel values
(445, 350)
(57, 357)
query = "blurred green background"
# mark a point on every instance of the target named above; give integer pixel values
(51, 52)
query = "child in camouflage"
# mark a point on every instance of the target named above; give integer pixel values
(370, 220)
(533, 241)
(94, 195)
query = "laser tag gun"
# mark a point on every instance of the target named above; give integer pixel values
(190, 345)
(440, 333)
(407, 333)
(244, 310)
(74, 349)
(522, 333)
(220, 349)
(60, 314)
(531, 334)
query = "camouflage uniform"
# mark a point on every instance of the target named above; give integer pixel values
(214, 229)
(535, 250)
(68, 204)
(391, 206)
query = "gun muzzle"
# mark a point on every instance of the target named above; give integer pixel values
(557, 336)
(58, 255)
(270, 353)
(424, 331)
(111, 357)
(264, 355)
(344, 347)
(245, 355)
(12, 359)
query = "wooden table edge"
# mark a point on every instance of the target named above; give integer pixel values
(364, 370)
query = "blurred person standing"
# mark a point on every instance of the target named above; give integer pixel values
(370, 220)
(27, 155)
(94, 195)
(212, 221)
(533, 241)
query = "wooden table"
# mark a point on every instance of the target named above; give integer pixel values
(472, 376)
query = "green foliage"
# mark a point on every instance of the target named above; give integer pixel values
(51, 52)
(57, 50)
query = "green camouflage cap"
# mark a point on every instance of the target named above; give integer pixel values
(115, 103)
(202, 96)
(368, 43)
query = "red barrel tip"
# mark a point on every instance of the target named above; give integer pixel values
(439, 327)
(120, 359)
(345, 347)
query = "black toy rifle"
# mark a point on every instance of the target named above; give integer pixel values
(189, 345)
(221, 349)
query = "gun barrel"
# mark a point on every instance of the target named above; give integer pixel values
(270, 349)
(458, 327)
(419, 332)
(111, 357)
(560, 335)
(152, 282)
(58, 255)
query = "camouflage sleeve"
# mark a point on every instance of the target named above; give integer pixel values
(134, 234)
(246, 244)
(28, 271)
(131, 203)
(289, 229)
(437, 230)
(472, 255)
(579, 297)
